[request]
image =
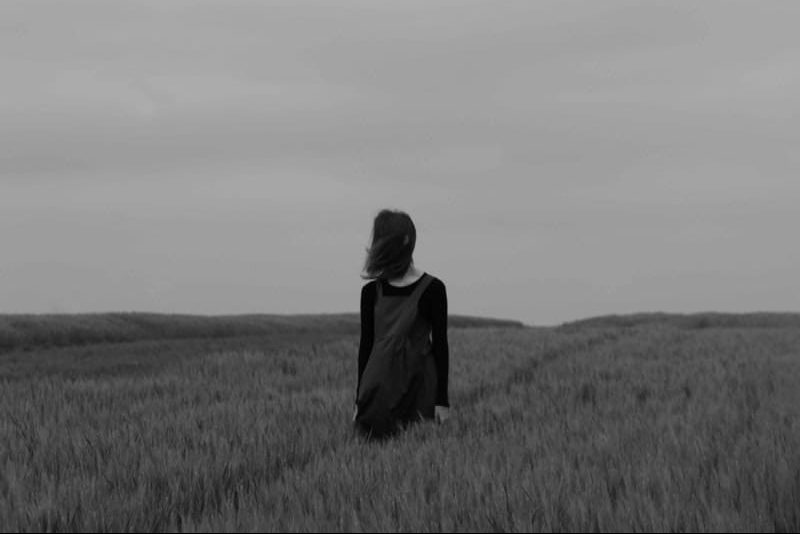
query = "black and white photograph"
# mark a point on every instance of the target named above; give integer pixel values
(399, 266)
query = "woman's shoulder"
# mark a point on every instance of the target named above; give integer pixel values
(434, 279)
(436, 284)
(368, 290)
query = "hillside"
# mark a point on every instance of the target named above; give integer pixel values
(35, 331)
(691, 321)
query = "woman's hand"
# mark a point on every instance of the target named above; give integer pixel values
(442, 414)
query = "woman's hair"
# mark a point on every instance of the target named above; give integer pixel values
(392, 247)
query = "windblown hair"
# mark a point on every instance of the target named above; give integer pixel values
(392, 246)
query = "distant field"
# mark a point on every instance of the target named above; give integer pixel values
(638, 423)
(36, 331)
(693, 320)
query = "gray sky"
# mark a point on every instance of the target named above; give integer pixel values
(560, 159)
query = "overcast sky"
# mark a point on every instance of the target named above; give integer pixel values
(560, 159)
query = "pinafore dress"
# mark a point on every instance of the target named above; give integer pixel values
(398, 385)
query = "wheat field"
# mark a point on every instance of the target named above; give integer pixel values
(650, 426)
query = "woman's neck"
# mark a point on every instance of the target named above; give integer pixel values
(412, 275)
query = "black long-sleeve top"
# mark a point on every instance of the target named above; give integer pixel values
(432, 306)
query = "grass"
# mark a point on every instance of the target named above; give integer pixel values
(650, 427)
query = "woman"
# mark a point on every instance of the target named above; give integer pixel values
(403, 355)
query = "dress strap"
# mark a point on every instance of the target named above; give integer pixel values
(425, 281)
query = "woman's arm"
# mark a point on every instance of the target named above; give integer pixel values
(441, 348)
(367, 329)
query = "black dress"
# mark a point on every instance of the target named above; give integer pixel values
(399, 382)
